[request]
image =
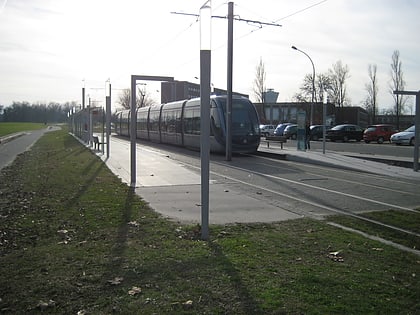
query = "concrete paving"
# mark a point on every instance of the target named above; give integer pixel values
(175, 191)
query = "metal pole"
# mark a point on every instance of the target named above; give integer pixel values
(132, 127)
(205, 90)
(108, 119)
(83, 97)
(417, 134)
(324, 123)
(229, 84)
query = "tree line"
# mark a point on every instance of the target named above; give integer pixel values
(38, 112)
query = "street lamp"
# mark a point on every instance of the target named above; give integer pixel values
(313, 81)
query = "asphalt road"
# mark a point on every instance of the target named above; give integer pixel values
(11, 149)
(385, 149)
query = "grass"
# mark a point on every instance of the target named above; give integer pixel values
(73, 239)
(409, 221)
(7, 128)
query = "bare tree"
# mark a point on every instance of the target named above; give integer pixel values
(124, 98)
(397, 84)
(339, 74)
(322, 84)
(143, 98)
(259, 82)
(372, 90)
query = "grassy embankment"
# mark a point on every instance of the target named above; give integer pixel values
(7, 128)
(73, 239)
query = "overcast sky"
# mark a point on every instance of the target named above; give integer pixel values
(47, 47)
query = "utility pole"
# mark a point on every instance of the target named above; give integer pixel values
(229, 84)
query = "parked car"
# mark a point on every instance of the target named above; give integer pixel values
(267, 130)
(345, 133)
(280, 129)
(404, 137)
(317, 132)
(290, 132)
(378, 133)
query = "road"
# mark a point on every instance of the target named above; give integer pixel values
(385, 149)
(9, 150)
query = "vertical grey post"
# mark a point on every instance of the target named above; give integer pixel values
(133, 131)
(205, 70)
(83, 97)
(108, 119)
(324, 122)
(90, 126)
(229, 84)
(417, 134)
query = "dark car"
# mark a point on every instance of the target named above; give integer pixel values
(290, 132)
(345, 133)
(317, 132)
(378, 133)
(280, 129)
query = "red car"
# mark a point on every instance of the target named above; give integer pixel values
(378, 133)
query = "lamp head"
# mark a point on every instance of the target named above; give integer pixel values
(294, 47)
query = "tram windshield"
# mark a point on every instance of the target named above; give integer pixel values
(244, 117)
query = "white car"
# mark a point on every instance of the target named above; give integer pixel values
(404, 137)
(267, 130)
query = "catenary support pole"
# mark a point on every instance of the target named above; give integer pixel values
(205, 70)
(229, 84)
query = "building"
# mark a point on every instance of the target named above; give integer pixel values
(405, 121)
(183, 90)
(275, 113)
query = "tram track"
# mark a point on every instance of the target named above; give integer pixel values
(330, 209)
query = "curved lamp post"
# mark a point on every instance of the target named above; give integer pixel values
(313, 82)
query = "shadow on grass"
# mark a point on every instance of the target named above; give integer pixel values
(117, 254)
(249, 304)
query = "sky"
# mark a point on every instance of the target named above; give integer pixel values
(49, 49)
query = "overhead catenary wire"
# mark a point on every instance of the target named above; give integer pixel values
(236, 18)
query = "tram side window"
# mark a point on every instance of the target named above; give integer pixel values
(164, 122)
(192, 122)
(170, 122)
(154, 121)
(142, 121)
(215, 123)
(178, 122)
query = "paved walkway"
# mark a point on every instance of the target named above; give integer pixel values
(175, 192)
